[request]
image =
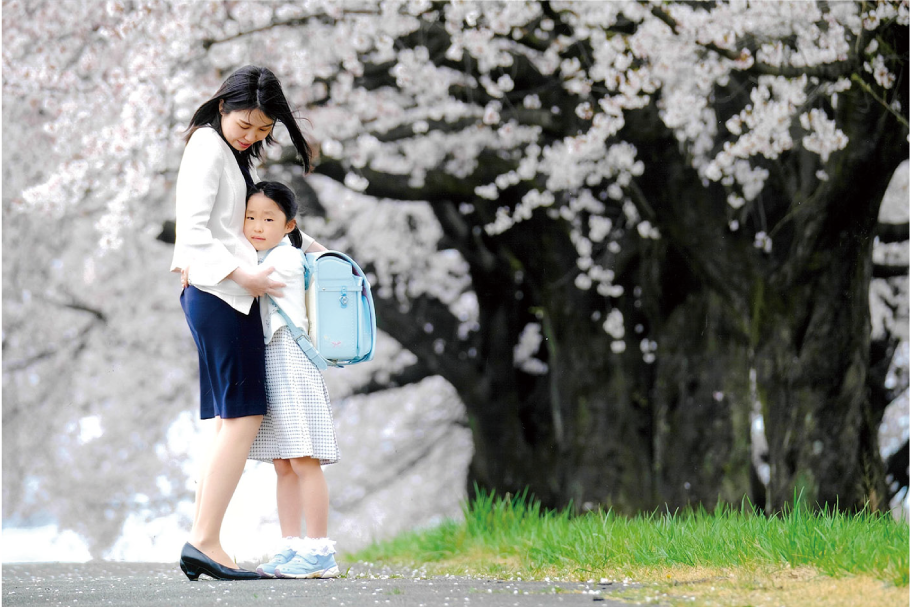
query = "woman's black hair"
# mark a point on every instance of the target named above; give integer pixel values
(252, 88)
(284, 197)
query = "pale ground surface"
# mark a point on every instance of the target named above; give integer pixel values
(163, 585)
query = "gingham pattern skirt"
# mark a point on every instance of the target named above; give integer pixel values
(299, 419)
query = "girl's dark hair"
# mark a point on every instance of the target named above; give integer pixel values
(284, 197)
(252, 88)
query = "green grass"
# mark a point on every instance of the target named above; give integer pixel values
(514, 536)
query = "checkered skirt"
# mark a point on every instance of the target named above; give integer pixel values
(299, 419)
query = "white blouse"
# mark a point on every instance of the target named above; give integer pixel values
(211, 208)
(288, 269)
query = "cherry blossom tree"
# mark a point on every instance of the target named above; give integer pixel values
(625, 232)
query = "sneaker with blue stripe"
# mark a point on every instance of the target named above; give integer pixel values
(281, 558)
(308, 565)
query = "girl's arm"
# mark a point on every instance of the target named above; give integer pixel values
(257, 282)
(289, 269)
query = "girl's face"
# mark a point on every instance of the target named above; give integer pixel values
(243, 128)
(265, 223)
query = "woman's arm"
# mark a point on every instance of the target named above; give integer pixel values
(308, 244)
(198, 181)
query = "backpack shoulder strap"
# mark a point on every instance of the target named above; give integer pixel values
(297, 333)
(302, 340)
(307, 266)
(308, 269)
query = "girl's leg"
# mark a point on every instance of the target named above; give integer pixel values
(290, 499)
(227, 458)
(315, 495)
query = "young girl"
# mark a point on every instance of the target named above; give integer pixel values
(297, 434)
(221, 284)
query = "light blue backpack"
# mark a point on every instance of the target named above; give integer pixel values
(340, 311)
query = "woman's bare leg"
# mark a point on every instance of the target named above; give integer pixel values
(290, 500)
(227, 458)
(203, 469)
(314, 493)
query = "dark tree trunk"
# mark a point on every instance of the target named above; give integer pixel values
(582, 431)
(702, 406)
(604, 428)
(701, 394)
(812, 366)
(814, 355)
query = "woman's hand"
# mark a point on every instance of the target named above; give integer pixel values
(257, 282)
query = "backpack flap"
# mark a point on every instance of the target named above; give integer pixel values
(340, 308)
(336, 308)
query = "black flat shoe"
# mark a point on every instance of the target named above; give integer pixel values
(194, 563)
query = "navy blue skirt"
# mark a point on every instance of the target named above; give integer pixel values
(231, 355)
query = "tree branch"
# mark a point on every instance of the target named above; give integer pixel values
(889, 271)
(438, 184)
(407, 376)
(79, 340)
(207, 43)
(81, 307)
(641, 202)
(865, 86)
(408, 326)
(399, 470)
(469, 243)
(406, 131)
(829, 71)
(892, 232)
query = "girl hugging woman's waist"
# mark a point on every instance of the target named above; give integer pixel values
(227, 290)
(286, 259)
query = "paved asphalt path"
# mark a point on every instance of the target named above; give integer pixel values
(363, 585)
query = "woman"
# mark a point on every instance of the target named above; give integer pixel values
(225, 134)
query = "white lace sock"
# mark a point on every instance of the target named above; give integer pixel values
(283, 544)
(321, 546)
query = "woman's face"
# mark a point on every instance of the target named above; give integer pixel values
(265, 223)
(243, 128)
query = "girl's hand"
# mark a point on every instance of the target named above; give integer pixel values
(185, 277)
(257, 283)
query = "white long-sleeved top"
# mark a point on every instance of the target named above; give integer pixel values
(285, 258)
(211, 207)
